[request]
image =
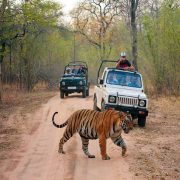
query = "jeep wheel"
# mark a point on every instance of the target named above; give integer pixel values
(61, 94)
(66, 93)
(141, 121)
(95, 105)
(84, 93)
(103, 106)
(87, 92)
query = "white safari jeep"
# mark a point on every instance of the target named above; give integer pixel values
(121, 90)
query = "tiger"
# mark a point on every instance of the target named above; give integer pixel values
(92, 124)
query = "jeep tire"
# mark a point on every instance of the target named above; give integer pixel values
(142, 121)
(61, 94)
(87, 92)
(66, 93)
(84, 93)
(103, 106)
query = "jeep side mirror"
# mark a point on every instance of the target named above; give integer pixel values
(101, 81)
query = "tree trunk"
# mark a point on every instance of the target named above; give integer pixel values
(0, 84)
(1, 60)
(20, 65)
(10, 64)
(134, 4)
(2, 43)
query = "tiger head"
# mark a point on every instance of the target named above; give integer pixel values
(127, 123)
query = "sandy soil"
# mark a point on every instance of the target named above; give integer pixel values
(153, 152)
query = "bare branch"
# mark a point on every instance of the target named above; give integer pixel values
(93, 19)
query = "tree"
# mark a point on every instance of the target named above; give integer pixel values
(134, 5)
(160, 45)
(3, 6)
(93, 19)
(130, 14)
(29, 17)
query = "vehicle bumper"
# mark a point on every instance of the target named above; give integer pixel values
(135, 111)
(72, 89)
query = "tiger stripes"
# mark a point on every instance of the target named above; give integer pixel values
(91, 124)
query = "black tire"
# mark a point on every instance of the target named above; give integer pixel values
(61, 94)
(103, 106)
(95, 105)
(141, 121)
(87, 92)
(66, 94)
(84, 93)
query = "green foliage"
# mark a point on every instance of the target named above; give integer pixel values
(41, 46)
(41, 12)
(160, 44)
(26, 22)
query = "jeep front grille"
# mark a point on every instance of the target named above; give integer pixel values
(127, 101)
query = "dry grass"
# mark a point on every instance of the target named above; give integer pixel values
(13, 96)
(157, 154)
(20, 102)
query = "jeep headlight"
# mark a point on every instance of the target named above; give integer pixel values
(142, 103)
(80, 83)
(112, 99)
(63, 83)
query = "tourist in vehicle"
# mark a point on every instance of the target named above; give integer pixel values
(134, 82)
(123, 63)
(123, 80)
(68, 71)
(112, 79)
(82, 70)
(75, 71)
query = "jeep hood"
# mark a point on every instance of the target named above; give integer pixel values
(125, 91)
(72, 78)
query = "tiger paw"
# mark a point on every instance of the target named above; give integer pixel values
(125, 155)
(61, 152)
(124, 152)
(106, 158)
(91, 156)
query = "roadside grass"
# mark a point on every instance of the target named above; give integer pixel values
(157, 145)
(156, 155)
(21, 102)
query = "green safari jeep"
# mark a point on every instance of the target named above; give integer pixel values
(75, 79)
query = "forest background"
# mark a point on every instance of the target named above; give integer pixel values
(36, 43)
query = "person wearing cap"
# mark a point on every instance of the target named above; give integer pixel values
(68, 71)
(112, 79)
(123, 63)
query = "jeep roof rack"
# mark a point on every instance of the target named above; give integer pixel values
(107, 61)
(76, 63)
(103, 61)
(131, 71)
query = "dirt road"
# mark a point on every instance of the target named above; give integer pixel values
(40, 159)
(151, 153)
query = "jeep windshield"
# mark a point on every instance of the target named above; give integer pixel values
(124, 78)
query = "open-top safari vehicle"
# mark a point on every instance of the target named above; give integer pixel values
(75, 79)
(121, 90)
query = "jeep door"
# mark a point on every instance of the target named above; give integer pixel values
(100, 90)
